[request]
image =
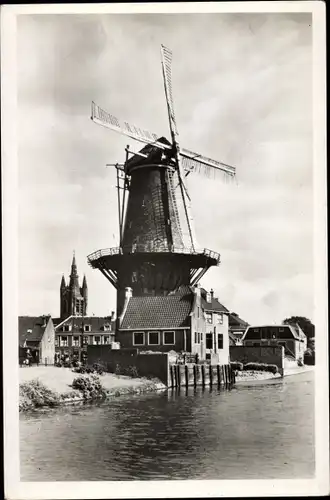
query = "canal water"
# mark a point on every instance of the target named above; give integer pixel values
(261, 431)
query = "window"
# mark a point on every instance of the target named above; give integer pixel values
(97, 339)
(208, 316)
(75, 341)
(138, 338)
(198, 338)
(87, 328)
(197, 312)
(106, 327)
(195, 337)
(64, 341)
(153, 338)
(66, 328)
(209, 341)
(56, 341)
(85, 340)
(201, 339)
(169, 338)
(220, 341)
(106, 339)
(220, 318)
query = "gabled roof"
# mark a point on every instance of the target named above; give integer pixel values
(171, 311)
(295, 330)
(214, 305)
(236, 321)
(31, 329)
(77, 323)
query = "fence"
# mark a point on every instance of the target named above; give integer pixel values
(120, 360)
(272, 355)
(187, 375)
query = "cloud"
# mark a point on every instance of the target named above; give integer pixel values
(242, 88)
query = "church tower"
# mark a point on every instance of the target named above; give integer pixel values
(73, 298)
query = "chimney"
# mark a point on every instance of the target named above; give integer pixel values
(112, 315)
(128, 292)
(44, 321)
(212, 293)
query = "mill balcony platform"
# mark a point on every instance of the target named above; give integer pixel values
(204, 255)
(152, 267)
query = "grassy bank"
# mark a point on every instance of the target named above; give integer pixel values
(50, 386)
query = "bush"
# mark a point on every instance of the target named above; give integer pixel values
(130, 371)
(90, 387)
(96, 369)
(261, 367)
(35, 394)
(236, 365)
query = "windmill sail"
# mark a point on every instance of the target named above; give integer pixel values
(105, 119)
(167, 75)
(197, 163)
(191, 162)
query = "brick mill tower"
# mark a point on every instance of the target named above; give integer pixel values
(157, 254)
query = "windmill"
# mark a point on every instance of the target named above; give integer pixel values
(158, 252)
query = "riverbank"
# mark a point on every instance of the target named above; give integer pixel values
(252, 376)
(52, 386)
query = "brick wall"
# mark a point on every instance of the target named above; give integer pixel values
(273, 355)
(147, 365)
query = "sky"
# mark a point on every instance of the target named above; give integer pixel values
(242, 86)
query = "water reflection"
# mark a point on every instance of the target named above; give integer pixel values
(254, 431)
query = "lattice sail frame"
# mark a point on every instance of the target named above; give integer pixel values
(193, 162)
(186, 161)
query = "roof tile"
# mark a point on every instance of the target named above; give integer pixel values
(170, 311)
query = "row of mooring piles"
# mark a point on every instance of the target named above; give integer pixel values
(204, 375)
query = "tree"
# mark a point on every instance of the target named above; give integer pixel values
(305, 324)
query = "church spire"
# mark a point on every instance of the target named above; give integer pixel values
(63, 285)
(74, 273)
(74, 265)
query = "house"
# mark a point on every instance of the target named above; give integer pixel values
(237, 327)
(188, 320)
(75, 333)
(37, 334)
(290, 336)
(216, 328)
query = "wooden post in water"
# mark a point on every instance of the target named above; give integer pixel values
(211, 375)
(195, 375)
(226, 374)
(203, 375)
(186, 375)
(178, 375)
(172, 375)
